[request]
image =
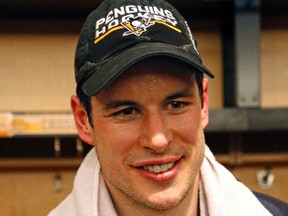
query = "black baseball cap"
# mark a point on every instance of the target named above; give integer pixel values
(120, 33)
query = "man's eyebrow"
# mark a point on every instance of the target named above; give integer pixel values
(114, 104)
(182, 93)
(118, 103)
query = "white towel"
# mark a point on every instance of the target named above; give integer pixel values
(223, 195)
(83, 200)
(220, 193)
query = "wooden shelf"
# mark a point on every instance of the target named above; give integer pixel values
(243, 120)
(40, 164)
(220, 120)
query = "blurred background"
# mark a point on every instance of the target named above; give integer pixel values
(244, 42)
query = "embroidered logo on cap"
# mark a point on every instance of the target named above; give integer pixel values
(136, 25)
(134, 18)
(193, 40)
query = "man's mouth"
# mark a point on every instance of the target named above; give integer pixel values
(159, 168)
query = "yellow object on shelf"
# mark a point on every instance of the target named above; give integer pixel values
(6, 128)
(36, 124)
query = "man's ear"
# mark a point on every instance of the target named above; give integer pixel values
(81, 120)
(205, 106)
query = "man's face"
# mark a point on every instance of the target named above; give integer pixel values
(148, 134)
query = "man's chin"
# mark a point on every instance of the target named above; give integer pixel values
(165, 202)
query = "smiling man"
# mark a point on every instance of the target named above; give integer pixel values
(142, 102)
(148, 131)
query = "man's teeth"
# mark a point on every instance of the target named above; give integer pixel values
(159, 168)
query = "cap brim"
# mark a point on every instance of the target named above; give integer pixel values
(109, 70)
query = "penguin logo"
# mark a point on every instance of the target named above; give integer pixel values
(136, 25)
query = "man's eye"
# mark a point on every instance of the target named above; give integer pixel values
(176, 104)
(126, 112)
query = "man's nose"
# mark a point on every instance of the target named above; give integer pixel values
(156, 133)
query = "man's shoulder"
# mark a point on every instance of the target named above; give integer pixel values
(275, 206)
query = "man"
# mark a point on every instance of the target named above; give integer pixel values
(142, 102)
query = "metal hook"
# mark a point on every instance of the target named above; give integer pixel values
(57, 147)
(79, 147)
(265, 178)
(58, 182)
